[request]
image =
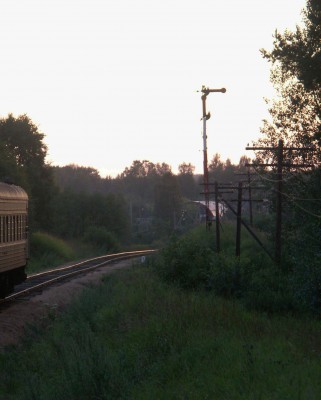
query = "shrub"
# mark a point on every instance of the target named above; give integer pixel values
(43, 243)
(102, 238)
(191, 262)
(47, 251)
(186, 261)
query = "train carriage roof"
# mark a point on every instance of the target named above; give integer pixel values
(12, 192)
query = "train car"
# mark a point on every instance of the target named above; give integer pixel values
(13, 237)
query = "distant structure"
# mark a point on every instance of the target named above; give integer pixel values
(207, 210)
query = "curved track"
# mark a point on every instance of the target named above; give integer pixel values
(37, 282)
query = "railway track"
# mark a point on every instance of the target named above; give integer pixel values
(36, 282)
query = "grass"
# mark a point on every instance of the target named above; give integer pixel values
(135, 337)
(47, 251)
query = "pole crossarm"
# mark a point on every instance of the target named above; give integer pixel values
(285, 165)
(284, 148)
(254, 200)
(207, 90)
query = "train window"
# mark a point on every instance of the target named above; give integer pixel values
(9, 228)
(23, 227)
(19, 227)
(14, 228)
(5, 229)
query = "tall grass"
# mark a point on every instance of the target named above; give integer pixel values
(47, 251)
(136, 337)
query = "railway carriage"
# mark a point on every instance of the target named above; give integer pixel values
(13, 237)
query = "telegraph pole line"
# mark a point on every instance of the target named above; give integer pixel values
(238, 221)
(222, 189)
(249, 181)
(278, 228)
(206, 91)
(279, 187)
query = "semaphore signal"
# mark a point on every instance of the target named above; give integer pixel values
(206, 116)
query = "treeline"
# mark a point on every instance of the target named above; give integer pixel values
(143, 203)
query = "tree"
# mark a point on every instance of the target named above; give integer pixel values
(242, 162)
(186, 169)
(295, 74)
(296, 118)
(167, 198)
(23, 146)
(187, 181)
(23, 140)
(145, 168)
(80, 179)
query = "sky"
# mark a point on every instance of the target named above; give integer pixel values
(113, 81)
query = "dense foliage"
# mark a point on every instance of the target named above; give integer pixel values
(296, 119)
(296, 64)
(191, 262)
(23, 162)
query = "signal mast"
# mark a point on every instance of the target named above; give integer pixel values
(206, 116)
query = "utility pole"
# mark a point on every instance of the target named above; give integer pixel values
(249, 188)
(206, 91)
(279, 186)
(238, 221)
(278, 228)
(217, 220)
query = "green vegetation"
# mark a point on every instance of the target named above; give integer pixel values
(48, 252)
(192, 262)
(136, 337)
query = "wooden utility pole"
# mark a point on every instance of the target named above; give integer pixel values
(279, 187)
(278, 228)
(249, 188)
(238, 221)
(217, 220)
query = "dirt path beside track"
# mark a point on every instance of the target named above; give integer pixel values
(15, 318)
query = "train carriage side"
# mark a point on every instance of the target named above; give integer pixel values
(13, 237)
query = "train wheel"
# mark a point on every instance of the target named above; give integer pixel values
(19, 275)
(6, 284)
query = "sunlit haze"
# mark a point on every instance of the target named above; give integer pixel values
(112, 81)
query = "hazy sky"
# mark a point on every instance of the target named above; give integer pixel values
(112, 81)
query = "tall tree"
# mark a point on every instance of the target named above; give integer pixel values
(295, 74)
(167, 198)
(187, 182)
(22, 142)
(23, 139)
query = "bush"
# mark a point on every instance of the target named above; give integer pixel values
(191, 262)
(43, 243)
(186, 261)
(47, 251)
(102, 238)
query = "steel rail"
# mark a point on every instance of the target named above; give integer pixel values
(61, 273)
